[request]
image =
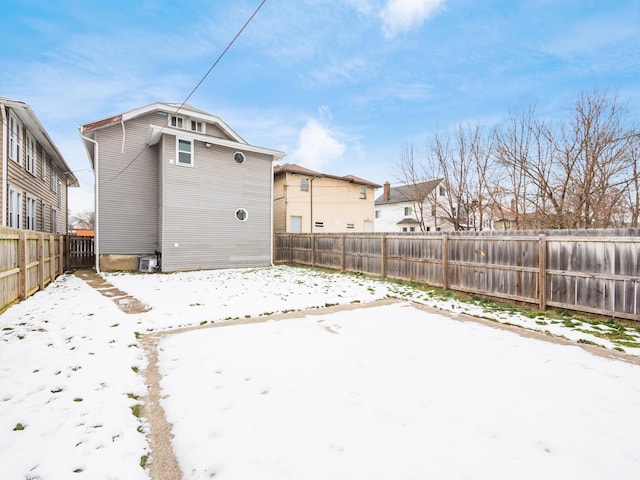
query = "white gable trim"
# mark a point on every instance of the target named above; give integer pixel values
(156, 131)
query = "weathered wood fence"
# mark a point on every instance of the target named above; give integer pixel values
(28, 262)
(80, 251)
(593, 271)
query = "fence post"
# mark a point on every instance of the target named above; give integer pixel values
(41, 261)
(343, 254)
(445, 261)
(542, 272)
(22, 263)
(313, 250)
(383, 260)
(52, 259)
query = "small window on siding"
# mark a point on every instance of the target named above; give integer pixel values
(43, 209)
(177, 122)
(408, 211)
(31, 213)
(378, 213)
(304, 184)
(239, 157)
(441, 191)
(242, 215)
(43, 165)
(197, 126)
(363, 193)
(54, 220)
(185, 152)
(31, 154)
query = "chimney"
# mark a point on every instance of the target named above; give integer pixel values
(386, 192)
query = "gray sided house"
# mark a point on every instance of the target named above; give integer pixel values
(178, 184)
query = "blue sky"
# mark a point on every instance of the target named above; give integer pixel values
(340, 85)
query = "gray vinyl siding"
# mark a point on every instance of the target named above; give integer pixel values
(128, 189)
(199, 204)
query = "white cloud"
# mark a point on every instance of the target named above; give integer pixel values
(403, 15)
(317, 146)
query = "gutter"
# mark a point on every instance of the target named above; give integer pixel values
(96, 225)
(5, 174)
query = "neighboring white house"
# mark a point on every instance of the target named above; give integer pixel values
(412, 208)
(178, 184)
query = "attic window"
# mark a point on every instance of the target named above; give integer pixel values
(304, 184)
(363, 193)
(177, 122)
(239, 157)
(197, 126)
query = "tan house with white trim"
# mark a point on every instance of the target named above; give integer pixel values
(35, 177)
(306, 201)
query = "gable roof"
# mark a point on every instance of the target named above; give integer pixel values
(170, 109)
(29, 120)
(403, 193)
(155, 131)
(298, 170)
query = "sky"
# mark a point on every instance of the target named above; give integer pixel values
(342, 86)
(407, 388)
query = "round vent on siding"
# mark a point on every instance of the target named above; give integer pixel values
(239, 157)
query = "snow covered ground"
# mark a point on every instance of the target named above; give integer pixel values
(382, 392)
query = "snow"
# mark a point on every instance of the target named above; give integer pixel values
(385, 391)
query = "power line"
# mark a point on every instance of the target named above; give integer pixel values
(194, 88)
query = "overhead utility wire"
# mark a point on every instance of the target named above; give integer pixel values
(194, 88)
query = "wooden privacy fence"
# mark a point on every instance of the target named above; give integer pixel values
(592, 271)
(28, 262)
(80, 251)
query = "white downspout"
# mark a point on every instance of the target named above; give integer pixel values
(272, 233)
(5, 174)
(97, 209)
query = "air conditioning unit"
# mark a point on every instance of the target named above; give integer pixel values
(147, 264)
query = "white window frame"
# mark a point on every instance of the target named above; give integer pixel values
(408, 211)
(31, 154)
(15, 138)
(54, 179)
(241, 215)
(43, 165)
(363, 193)
(377, 214)
(177, 121)
(54, 220)
(197, 126)
(190, 152)
(304, 184)
(31, 213)
(15, 207)
(42, 216)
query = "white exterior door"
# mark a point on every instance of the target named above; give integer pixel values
(296, 224)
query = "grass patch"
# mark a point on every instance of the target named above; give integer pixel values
(143, 460)
(77, 399)
(135, 369)
(136, 410)
(19, 427)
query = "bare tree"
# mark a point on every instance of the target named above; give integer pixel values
(84, 220)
